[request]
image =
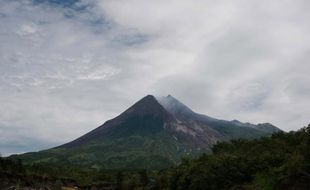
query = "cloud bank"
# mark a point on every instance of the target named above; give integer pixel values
(67, 66)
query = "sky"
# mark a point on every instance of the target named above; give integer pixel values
(67, 66)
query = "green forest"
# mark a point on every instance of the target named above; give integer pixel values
(280, 161)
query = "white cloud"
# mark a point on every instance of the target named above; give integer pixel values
(64, 71)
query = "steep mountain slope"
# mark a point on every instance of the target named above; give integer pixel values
(144, 118)
(153, 133)
(228, 129)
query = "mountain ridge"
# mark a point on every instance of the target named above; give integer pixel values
(153, 133)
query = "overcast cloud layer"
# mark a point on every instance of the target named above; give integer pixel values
(67, 67)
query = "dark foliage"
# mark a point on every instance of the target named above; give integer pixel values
(281, 161)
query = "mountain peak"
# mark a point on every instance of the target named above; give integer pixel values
(174, 106)
(146, 105)
(148, 100)
(146, 116)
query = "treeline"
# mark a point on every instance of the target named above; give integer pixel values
(15, 175)
(281, 161)
(278, 162)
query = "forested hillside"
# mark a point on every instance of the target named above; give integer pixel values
(281, 161)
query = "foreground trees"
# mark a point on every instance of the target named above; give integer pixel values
(281, 161)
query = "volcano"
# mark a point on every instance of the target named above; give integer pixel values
(154, 133)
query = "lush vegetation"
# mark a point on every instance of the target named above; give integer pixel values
(281, 161)
(130, 145)
(14, 174)
(134, 152)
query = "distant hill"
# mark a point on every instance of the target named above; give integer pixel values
(153, 133)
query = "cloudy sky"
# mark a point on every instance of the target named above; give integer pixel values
(66, 66)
